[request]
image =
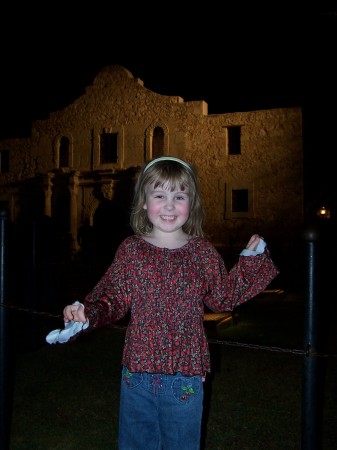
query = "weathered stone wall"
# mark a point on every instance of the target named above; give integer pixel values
(270, 163)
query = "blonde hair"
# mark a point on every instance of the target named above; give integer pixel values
(178, 174)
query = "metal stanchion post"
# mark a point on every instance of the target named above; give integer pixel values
(5, 366)
(311, 414)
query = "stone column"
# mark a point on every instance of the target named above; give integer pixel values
(47, 187)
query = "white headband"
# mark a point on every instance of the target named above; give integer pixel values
(167, 158)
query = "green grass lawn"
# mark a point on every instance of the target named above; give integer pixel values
(66, 396)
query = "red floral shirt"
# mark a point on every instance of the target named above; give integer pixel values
(165, 291)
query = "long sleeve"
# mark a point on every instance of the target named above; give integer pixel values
(247, 278)
(109, 300)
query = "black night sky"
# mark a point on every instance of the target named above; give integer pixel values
(238, 59)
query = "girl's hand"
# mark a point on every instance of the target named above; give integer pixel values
(74, 312)
(253, 242)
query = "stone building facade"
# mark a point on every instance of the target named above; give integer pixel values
(250, 164)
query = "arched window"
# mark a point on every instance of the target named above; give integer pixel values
(158, 142)
(64, 152)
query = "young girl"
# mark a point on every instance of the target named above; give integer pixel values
(164, 275)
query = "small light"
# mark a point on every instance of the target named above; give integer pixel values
(323, 213)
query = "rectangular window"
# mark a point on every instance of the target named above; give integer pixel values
(234, 140)
(108, 148)
(239, 200)
(4, 161)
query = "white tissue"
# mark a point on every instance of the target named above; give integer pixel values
(259, 249)
(70, 329)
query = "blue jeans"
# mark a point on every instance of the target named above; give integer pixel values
(160, 412)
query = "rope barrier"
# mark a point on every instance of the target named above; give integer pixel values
(306, 352)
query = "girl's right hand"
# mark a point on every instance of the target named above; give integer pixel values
(74, 312)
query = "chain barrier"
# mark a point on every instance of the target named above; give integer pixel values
(294, 351)
(306, 352)
(31, 311)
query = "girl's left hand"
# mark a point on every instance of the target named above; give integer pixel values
(253, 242)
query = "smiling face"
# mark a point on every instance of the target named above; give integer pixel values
(167, 209)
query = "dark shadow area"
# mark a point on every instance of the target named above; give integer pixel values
(110, 227)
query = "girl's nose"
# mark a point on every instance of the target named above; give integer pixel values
(169, 204)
